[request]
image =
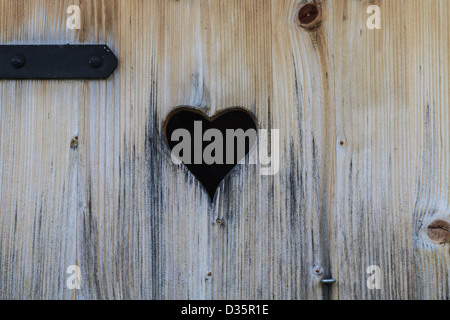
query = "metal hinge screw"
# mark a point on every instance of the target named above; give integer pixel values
(18, 61)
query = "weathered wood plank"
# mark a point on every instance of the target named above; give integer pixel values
(391, 105)
(38, 189)
(364, 152)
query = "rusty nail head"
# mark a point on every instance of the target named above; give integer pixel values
(309, 15)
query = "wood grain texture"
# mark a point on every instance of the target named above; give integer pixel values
(364, 153)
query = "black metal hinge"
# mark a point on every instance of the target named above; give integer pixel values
(52, 62)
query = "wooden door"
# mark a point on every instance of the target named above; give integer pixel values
(86, 179)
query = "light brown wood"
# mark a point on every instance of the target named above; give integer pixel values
(364, 152)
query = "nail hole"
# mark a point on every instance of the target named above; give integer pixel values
(439, 231)
(74, 142)
(209, 274)
(341, 143)
(309, 15)
(317, 270)
(219, 222)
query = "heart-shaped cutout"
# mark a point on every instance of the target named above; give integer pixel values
(210, 147)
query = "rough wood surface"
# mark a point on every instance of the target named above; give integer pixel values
(364, 152)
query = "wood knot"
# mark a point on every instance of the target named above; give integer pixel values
(439, 231)
(310, 16)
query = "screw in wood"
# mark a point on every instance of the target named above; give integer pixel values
(219, 222)
(95, 61)
(309, 15)
(18, 61)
